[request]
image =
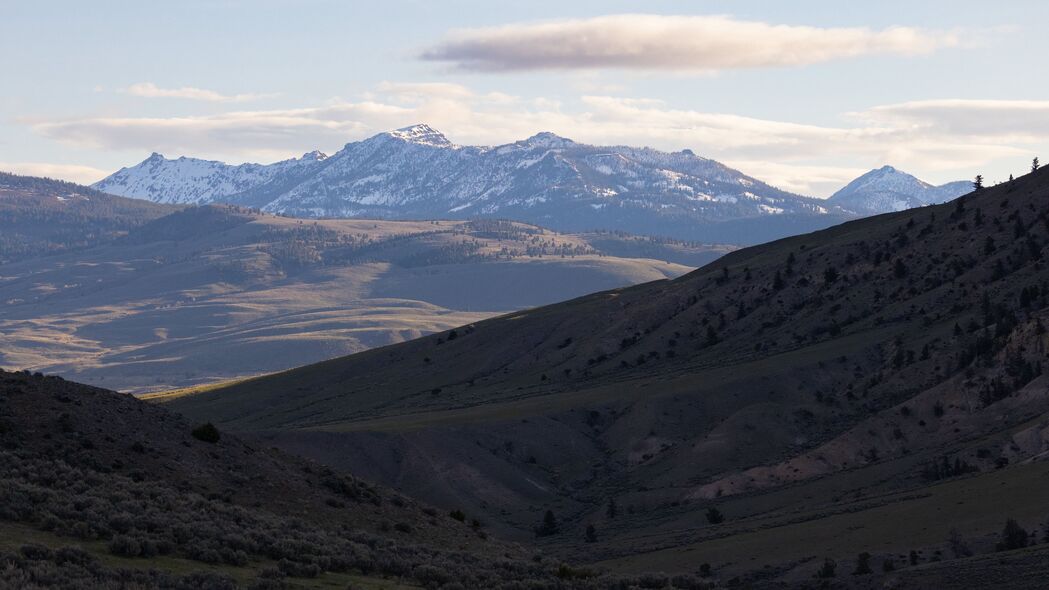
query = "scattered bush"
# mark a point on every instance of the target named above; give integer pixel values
(549, 525)
(1013, 537)
(863, 564)
(206, 433)
(828, 569)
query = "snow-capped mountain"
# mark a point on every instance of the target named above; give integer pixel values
(194, 181)
(417, 173)
(887, 189)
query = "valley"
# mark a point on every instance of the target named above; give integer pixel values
(524, 296)
(218, 292)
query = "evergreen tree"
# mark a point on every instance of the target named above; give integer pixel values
(1013, 537)
(1034, 165)
(863, 564)
(978, 182)
(548, 526)
(591, 534)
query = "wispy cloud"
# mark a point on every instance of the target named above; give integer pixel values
(928, 138)
(70, 172)
(151, 90)
(1021, 120)
(681, 43)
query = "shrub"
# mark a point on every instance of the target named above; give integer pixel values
(591, 534)
(828, 569)
(34, 552)
(548, 526)
(458, 515)
(206, 433)
(298, 569)
(125, 546)
(714, 516)
(863, 564)
(1013, 537)
(958, 545)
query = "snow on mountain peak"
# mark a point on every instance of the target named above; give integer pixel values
(415, 172)
(888, 189)
(546, 139)
(421, 134)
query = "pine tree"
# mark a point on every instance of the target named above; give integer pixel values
(863, 564)
(1013, 537)
(1034, 165)
(591, 534)
(978, 182)
(549, 525)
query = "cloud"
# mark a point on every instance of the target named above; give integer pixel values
(799, 178)
(1019, 120)
(151, 90)
(674, 43)
(70, 172)
(932, 141)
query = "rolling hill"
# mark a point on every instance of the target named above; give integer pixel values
(41, 216)
(753, 414)
(417, 173)
(218, 292)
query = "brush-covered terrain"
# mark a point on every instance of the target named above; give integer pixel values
(101, 490)
(871, 389)
(216, 292)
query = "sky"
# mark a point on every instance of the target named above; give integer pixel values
(805, 95)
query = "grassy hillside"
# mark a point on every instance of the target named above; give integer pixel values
(852, 365)
(215, 293)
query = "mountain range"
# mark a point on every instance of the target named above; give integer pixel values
(417, 173)
(865, 399)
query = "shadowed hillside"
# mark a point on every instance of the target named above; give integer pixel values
(821, 375)
(100, 490)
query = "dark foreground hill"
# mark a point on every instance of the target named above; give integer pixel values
(100, 490)
(41, 216)
(869, 388)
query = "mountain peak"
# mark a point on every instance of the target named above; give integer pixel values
(888, 189)
(421, 134)
(549, 140)
(315, 155)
